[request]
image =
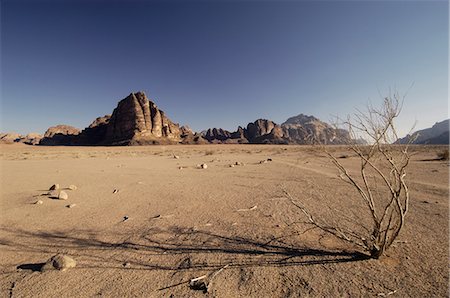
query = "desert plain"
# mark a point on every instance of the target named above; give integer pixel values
(146, 220)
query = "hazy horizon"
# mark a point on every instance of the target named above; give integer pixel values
(221, 64)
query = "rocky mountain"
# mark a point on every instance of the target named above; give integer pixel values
(59, 135)
(300, 129)
(29, 139)
(437, 134)
(135, 121)
(304, 129)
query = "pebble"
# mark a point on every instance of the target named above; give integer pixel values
(53, 194)
(204, 166)
(39, 202)
(63, 195)
(126, 265)
(180, 168)
(231, 166)
(72, 187)
(115, 191)
(59, 262)
(71, 205)
(54, 187)
(176, 157)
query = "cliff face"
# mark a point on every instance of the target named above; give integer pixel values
(437, 134)
(135, 121)
(300, 129)
(139, 120)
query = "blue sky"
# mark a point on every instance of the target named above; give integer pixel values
(220, 63)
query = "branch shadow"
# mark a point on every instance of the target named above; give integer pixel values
(168, 249)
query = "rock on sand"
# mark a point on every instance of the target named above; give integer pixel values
(59, 262)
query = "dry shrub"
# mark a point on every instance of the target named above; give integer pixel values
(443, 155)
(379, 182)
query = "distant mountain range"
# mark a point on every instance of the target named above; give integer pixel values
(437, 134)
(138, 121)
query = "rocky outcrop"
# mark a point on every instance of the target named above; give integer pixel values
(9, 137)
(437, 134)
(29, 139)
(218, 134)
(138, 120)
(303, 129)
(60, 135)
(61, 130)
(135, 121)
(300, 129)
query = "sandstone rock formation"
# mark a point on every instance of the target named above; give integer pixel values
(304, 129)
(9, 137)
(135, 121)
(437, 134)
(60, 135)
(300, 129)
(29, 139)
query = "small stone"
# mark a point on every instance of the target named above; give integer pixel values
(71, 205)
(115, 191)
(176, 157)
(54, 194)
(126, 265)
(180, 168)
(125, 218)
(54, 187)
(39, 202)
(231, 166)
(263, 161)
(204, 166)
(59, 262)
(269, 159)
(63, 195)
(72, 187)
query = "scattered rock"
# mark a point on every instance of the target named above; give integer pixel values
(39, 202)
(54, 187)
(269, 159)
(54, 194)
(71, 205)
(176, 157)
(59, 262)
(199, 284)
(126, 265)
(231, 166)
(115, 191)
(72, 187)
(204, 166)
(125, 218)
(249, 209)
(63, 195)
(263, 161)
(238, 163)
(180, 168)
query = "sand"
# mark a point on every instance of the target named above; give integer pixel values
(140, 226)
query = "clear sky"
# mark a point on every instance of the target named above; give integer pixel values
(220, 63)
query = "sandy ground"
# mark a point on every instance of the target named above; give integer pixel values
(185, 223)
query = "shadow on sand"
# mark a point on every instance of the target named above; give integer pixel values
(168, 249)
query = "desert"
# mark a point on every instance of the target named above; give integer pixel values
(224, 149)
(147, 220)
